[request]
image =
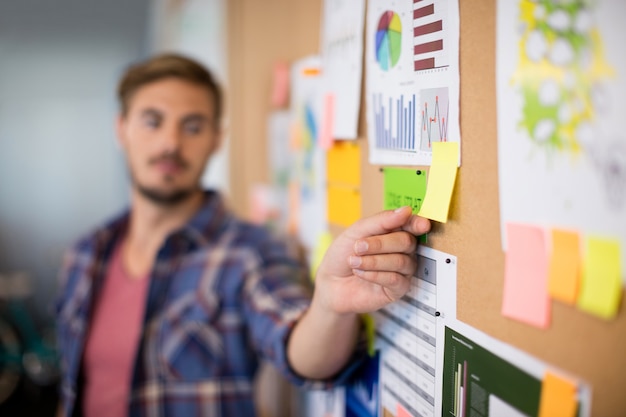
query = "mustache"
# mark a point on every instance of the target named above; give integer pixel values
(170, 157)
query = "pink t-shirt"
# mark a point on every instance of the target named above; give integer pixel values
(113, 340)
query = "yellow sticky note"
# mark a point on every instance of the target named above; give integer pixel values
(601, 286)
(343, 164)
(558, 397)
(525, 295)
(564, 270)
(344, 205)
(321, 246)
(441, 178)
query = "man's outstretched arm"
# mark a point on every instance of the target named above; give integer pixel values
(368, 266)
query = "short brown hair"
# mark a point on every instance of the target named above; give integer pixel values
(164, 66)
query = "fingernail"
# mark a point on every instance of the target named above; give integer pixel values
(399, 209)
(361, 246)
(354, 261)
(358, 272)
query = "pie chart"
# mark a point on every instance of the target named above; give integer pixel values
(388, 40)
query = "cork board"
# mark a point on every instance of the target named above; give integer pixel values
(576, 342)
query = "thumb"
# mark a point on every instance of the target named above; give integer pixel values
(380, 223)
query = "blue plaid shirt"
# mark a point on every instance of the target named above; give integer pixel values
(222, 294)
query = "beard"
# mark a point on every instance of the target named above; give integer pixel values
(161, 196)
(165, 198)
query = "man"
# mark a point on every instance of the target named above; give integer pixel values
(166, 310)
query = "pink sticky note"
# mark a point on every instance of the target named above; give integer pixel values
(280, 90)
(328, 122)
(525, 295)
(401, 411)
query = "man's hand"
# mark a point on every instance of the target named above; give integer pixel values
(370, 264)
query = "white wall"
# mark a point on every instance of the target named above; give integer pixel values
(197, 28)
(60, 170)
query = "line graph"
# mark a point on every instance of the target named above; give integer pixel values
(433, 117)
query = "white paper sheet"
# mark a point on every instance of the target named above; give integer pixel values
(410, 333)
(561, 85)
(412, 93)
(342, 57)
(310, 158)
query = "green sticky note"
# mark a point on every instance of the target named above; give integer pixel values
(601, 287)
(404, 187)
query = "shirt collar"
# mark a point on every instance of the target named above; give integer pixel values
(209, 222)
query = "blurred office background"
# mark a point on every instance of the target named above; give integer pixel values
(61, 172)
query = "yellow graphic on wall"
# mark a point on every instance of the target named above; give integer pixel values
(560, 74)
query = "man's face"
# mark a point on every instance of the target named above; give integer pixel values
(168, 134)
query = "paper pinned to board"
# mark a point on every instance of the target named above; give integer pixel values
(280, 88)
(525, 295)
(558, 397)
(404, 187)
(344, 205)
(343, 163)
(321, 246)
(564, 270)
(601, 287)
(441, 179)
(328, 122)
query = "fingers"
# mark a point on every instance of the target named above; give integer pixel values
(394, 242)
(390, 221)
(393, 284)
(380, 223)
(403, 264)
(417, 225)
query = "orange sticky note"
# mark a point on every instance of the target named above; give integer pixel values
(344, 205)
(401, 411)
(525, 295)
(343, 164)
(311, 72)
(441, 179)
(328, 122)
(564, 270)
(558, 397)
(601, 286)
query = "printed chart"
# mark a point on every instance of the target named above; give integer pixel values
(342, 57)
(411, 334)
(429, 20)
(388, 40)
(434, 111)
(412, 79)
(478, 382)
(561, 83)
(399, 113)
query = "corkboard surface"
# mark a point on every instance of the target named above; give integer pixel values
(576, 342)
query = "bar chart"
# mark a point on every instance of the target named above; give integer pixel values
(394, 122)
(429, 33)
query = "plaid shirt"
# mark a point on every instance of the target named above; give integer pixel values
(223, 294)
